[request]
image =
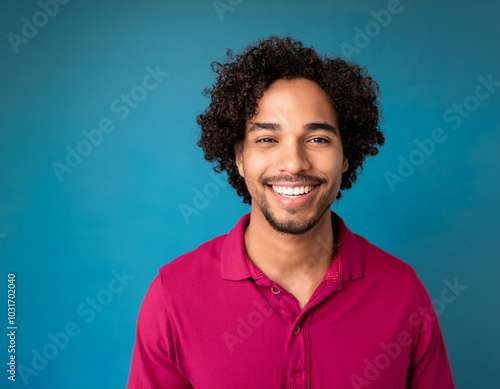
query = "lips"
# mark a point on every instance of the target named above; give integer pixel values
(292, 192)
(294, 195)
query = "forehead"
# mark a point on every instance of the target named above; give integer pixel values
(296, 98)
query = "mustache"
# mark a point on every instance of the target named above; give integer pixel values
(297, 178)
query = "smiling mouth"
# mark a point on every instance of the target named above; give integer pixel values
(292, 192)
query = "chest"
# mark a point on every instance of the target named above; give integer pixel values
(261, 342)
(302, 288)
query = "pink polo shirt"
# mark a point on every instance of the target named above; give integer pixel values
(210, 319)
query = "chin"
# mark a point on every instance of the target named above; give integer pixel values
(295, 225)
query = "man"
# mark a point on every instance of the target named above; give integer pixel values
(289, 298)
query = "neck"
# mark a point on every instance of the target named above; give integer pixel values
(280, 255)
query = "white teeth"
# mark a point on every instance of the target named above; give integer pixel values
(293, 192)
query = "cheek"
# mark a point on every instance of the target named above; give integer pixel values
(256, 165)
(331, 163)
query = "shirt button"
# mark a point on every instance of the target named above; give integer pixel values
(296, 330)
(275, 290)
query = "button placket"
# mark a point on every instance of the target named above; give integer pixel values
(282, 303)
(297, 357)
(299, 352)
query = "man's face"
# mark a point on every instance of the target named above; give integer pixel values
(292, 158)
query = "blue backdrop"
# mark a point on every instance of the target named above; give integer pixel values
(102, 182)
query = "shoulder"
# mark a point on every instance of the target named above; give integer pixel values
(388, 281)
(364, 259)
(191, 268)
(383, 266)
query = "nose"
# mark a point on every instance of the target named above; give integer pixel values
(293, 158)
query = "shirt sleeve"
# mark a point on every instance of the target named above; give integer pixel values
(429, 366)
(154, 357)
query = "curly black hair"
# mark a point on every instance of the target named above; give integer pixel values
(244, 78)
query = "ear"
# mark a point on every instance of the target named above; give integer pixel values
(345, 165)
(238, 153)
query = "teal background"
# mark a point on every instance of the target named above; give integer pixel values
(119, 208)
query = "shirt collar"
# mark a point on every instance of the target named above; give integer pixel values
(348, 263)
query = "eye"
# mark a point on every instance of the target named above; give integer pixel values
(319, 140)
(264, 140)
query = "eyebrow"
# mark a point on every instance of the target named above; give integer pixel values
(309, 127)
